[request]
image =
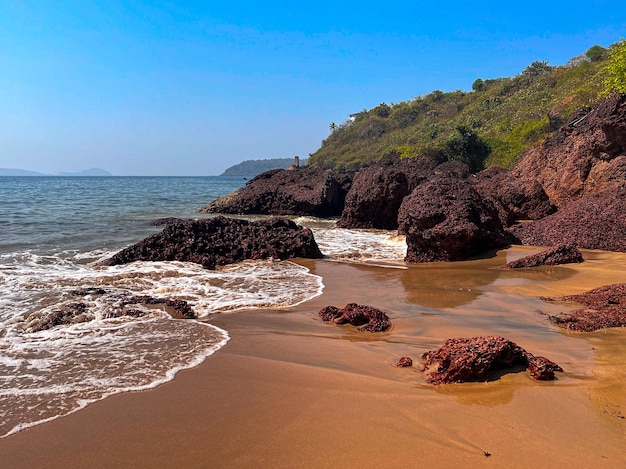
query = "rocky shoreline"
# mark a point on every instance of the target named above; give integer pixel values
(569, 192)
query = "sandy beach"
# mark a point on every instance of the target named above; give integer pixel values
(289, 390)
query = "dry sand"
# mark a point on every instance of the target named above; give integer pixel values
(291, 391)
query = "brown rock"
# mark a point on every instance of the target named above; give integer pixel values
(563, 254)
(305, 191)
(596, 221)
(378, 190)
(445, 219)
(369, 319)
(404, 362)
(477, 358)
(605, 307)
(221, 241)
(588, 155)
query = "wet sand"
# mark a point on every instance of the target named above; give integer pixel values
(291, 391)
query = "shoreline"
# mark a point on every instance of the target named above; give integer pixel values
(291, 391)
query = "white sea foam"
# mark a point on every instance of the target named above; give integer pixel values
(48, 373)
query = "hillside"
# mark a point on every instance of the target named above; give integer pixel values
(251, 168)
(508, 114)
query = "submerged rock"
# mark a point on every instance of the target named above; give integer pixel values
(563, 254)
(404, 362)
(447, 220)
(367, 318)
(477, 358)
(605, 307)
(220, 241)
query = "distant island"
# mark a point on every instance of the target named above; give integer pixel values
(251, 168)
(23, 172)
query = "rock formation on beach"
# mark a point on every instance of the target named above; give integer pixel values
(447, 220)
(305, 191)
(366, 318)
(480, 358)
(220, 241)
(562, 254)
(604, 307)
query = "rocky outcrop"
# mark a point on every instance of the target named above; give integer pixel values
(445, 219)
(596, 221)
(120, 304)
(479, 358)
(604, 307)
(378, 190)
(563, 254)
(306, 191)
(586, 156)
(219, 241)
(366, 318)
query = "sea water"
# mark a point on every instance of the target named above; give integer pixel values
(54, 234)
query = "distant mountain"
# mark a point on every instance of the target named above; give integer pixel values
(88, 172)
(18, 172)
(251, 168)
(23, 172)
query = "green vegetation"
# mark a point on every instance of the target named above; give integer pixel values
(616, 68)
(504, 115)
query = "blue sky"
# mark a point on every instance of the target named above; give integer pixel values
(191, 88)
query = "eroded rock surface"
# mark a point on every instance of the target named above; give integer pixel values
(366, 318)
(604, 307)
(305, 191)
(562, 254)
(220, 241)
(478, 358)
(595, 221)
(446, 219)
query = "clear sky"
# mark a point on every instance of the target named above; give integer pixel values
(193, 87)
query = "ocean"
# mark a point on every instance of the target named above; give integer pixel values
(54, 234)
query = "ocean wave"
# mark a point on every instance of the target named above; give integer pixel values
(97, 347)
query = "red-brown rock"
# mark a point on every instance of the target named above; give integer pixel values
(445, 219)
(404, 362)
(367, 318)
(306, 191)
(604, 307)
(586, 156)
(563, 254)
(477, 358)
(221, 241)
(596, 221)
(378, 190)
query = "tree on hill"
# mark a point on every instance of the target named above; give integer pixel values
(467, 148)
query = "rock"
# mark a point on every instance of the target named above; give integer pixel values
(305, 191)
(604, 307)
(404, 362)
(369, 319)
(596, 221)
(586, 156)
(477, 358)
(445, 219)
(220, 241)
(562, 254)
(378, 190)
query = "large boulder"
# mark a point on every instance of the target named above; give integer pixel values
(596, 221)
(305, 191)
(479, 358)
(586, 156)
(378, 190)
(445, 219)
(221, 240)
